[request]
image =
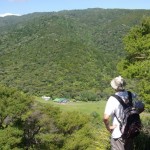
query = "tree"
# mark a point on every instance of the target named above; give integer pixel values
(13, 105)
(136, 63)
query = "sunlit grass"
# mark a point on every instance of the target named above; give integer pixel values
(84, 107)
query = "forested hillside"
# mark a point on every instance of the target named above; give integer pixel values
(68, 53)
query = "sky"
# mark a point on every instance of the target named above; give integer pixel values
(21, 7)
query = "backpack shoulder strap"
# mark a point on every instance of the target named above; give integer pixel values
(124, 105)
(130, 98)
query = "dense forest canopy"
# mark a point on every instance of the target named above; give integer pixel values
(70, 54)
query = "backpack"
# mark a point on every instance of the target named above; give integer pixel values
(131, 125)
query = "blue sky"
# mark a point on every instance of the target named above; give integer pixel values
(29, 6)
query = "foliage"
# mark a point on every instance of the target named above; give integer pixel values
(29, 124)
(136, 63)
(10, 137)
(64, 54)
(49, 128)
(13, 105)
(142, 141)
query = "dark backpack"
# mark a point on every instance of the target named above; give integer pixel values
(131, 125)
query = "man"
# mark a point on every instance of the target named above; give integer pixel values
(113, 107)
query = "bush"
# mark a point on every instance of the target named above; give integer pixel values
(142, 141)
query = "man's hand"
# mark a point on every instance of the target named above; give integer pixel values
(111, 128)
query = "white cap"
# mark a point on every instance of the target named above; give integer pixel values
(118, 83)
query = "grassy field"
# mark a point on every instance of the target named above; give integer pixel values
(84, 107)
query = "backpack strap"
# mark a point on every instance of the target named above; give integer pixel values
(124, 105)
(130, 98)
(118, 121)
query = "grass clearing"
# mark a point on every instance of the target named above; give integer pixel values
(84, 107)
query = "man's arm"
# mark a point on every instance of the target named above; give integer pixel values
(106, 121)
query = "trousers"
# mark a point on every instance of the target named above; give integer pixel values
(121, 144)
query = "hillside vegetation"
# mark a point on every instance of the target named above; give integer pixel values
(68, 53)
(28, 124)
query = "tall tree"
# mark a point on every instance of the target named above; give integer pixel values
(13, 105)
(136, 64)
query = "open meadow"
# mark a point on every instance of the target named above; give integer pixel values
(84, 107)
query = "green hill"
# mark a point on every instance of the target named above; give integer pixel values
(68, 53)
